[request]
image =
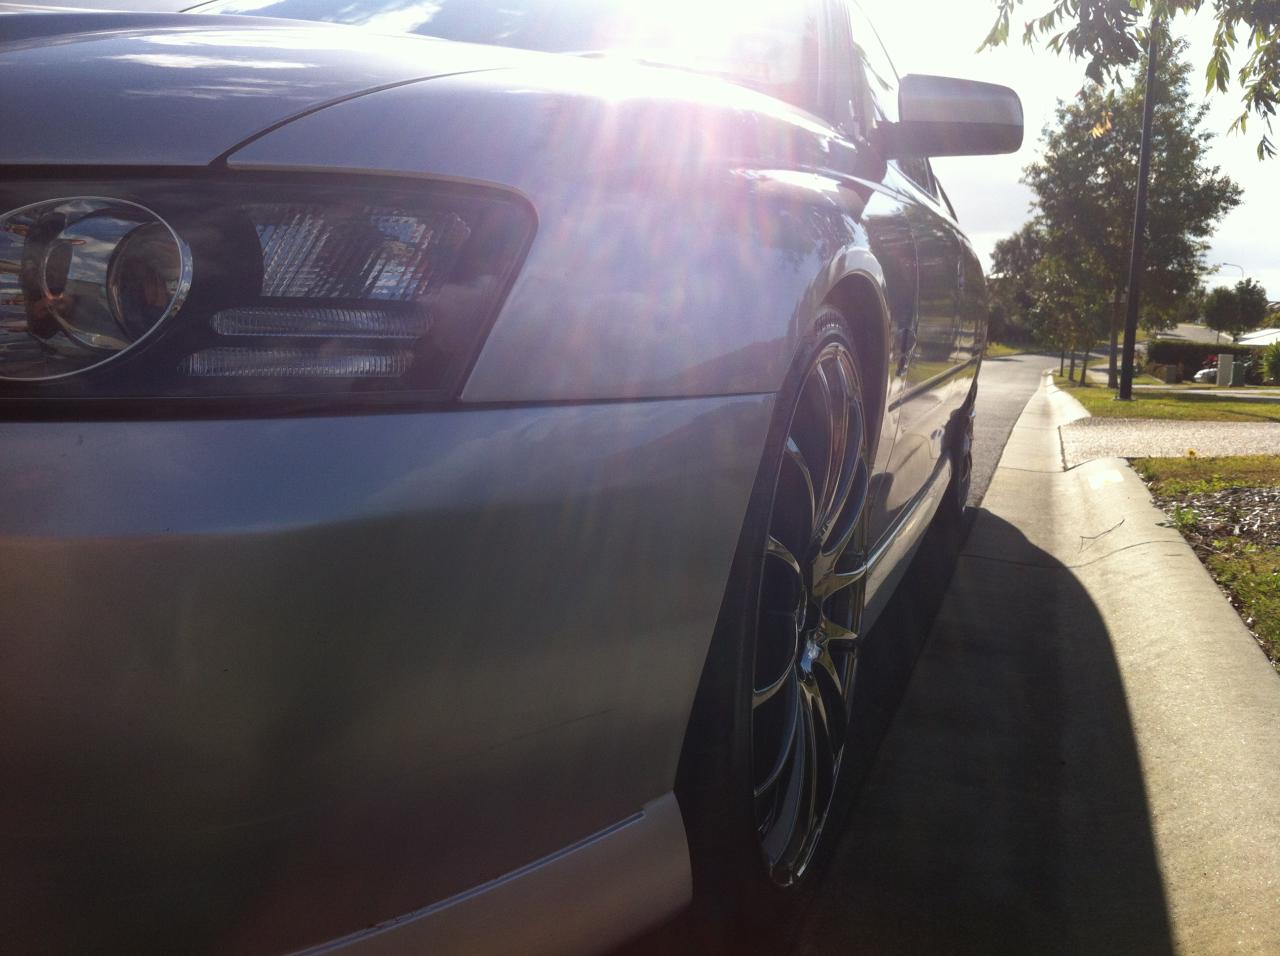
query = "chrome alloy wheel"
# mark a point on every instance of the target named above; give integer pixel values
(809, 613)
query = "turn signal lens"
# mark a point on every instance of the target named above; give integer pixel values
(82, 281)
(319, 323)
(296, 363)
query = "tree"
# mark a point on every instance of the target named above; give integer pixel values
(1220, 312)
(1271, 363)
(1190, 307)
(1253, 304)
(1236, 310)
(1109, 35)
(1009, 284)
(1065, 313)
(1083, 186)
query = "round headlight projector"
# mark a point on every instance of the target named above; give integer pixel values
(82, 281)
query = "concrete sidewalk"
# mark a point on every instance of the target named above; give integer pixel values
(1087, 759)
(1091, 438)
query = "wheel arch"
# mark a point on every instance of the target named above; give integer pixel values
(858, 297)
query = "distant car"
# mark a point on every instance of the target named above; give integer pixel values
(446, 486)
(1206, 375)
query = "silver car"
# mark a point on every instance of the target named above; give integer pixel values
(447, 484)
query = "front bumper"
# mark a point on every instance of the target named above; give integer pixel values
(268, 682)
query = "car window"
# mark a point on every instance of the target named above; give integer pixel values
(769, 45)
(882, 83)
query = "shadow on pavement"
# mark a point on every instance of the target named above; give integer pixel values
(1005, 810)
(996, 799)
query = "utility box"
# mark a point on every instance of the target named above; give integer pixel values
(1226, 369)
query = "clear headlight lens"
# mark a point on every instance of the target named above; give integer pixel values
(250, 288)
(81, 281)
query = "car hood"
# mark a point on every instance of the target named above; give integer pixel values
(180, 90)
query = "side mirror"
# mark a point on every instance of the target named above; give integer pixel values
(941, 116)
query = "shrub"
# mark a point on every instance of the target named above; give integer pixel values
(1271, 362)
(1188, 356)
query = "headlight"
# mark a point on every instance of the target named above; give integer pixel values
(250, 289)
(82, 281)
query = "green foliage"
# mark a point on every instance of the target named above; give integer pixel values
(1188, 356)
(1253, 304)
(1064, 311)
(1173, 405)
(1253, 576)
(1009, 283)
(1271, 363)
(1236, 310)
(1184, 518)
(1077, 245)
(1189, 308)
(1197, 475)
(1221, 310)
(1108, 34)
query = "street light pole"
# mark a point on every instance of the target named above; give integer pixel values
(1138, 250)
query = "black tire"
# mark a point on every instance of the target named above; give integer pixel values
(749, 882)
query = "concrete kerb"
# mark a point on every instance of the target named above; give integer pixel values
(1203, 700)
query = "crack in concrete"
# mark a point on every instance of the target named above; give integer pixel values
(1059, 565)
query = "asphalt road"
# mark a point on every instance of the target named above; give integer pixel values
(1004, 387)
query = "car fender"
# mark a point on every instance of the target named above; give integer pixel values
(688, 229)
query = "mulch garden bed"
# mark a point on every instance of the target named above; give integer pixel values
(1236, 533)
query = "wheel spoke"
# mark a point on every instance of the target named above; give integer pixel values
(776, 549)
(836, 637)
(825, 668)
(763, 695)
(834, 697)
(785, 820)
(784, 755)
(852, 501)
(817, 707)
(837, 436)
(797, 459)
(812, 775)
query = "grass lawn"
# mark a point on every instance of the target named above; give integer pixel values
(1181, 476)
(999, 350)
(1229, 510)
(1142, 378)
(1100, 402)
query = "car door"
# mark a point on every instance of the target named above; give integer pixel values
(885, 218)
(930, 357)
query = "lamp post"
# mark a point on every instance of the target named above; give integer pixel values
(1137, 250)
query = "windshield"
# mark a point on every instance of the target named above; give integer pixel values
(770, 45)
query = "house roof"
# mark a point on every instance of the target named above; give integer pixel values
(1260, 337)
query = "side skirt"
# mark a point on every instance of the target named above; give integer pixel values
(892, 554)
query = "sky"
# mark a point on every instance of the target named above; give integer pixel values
(941, 37)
